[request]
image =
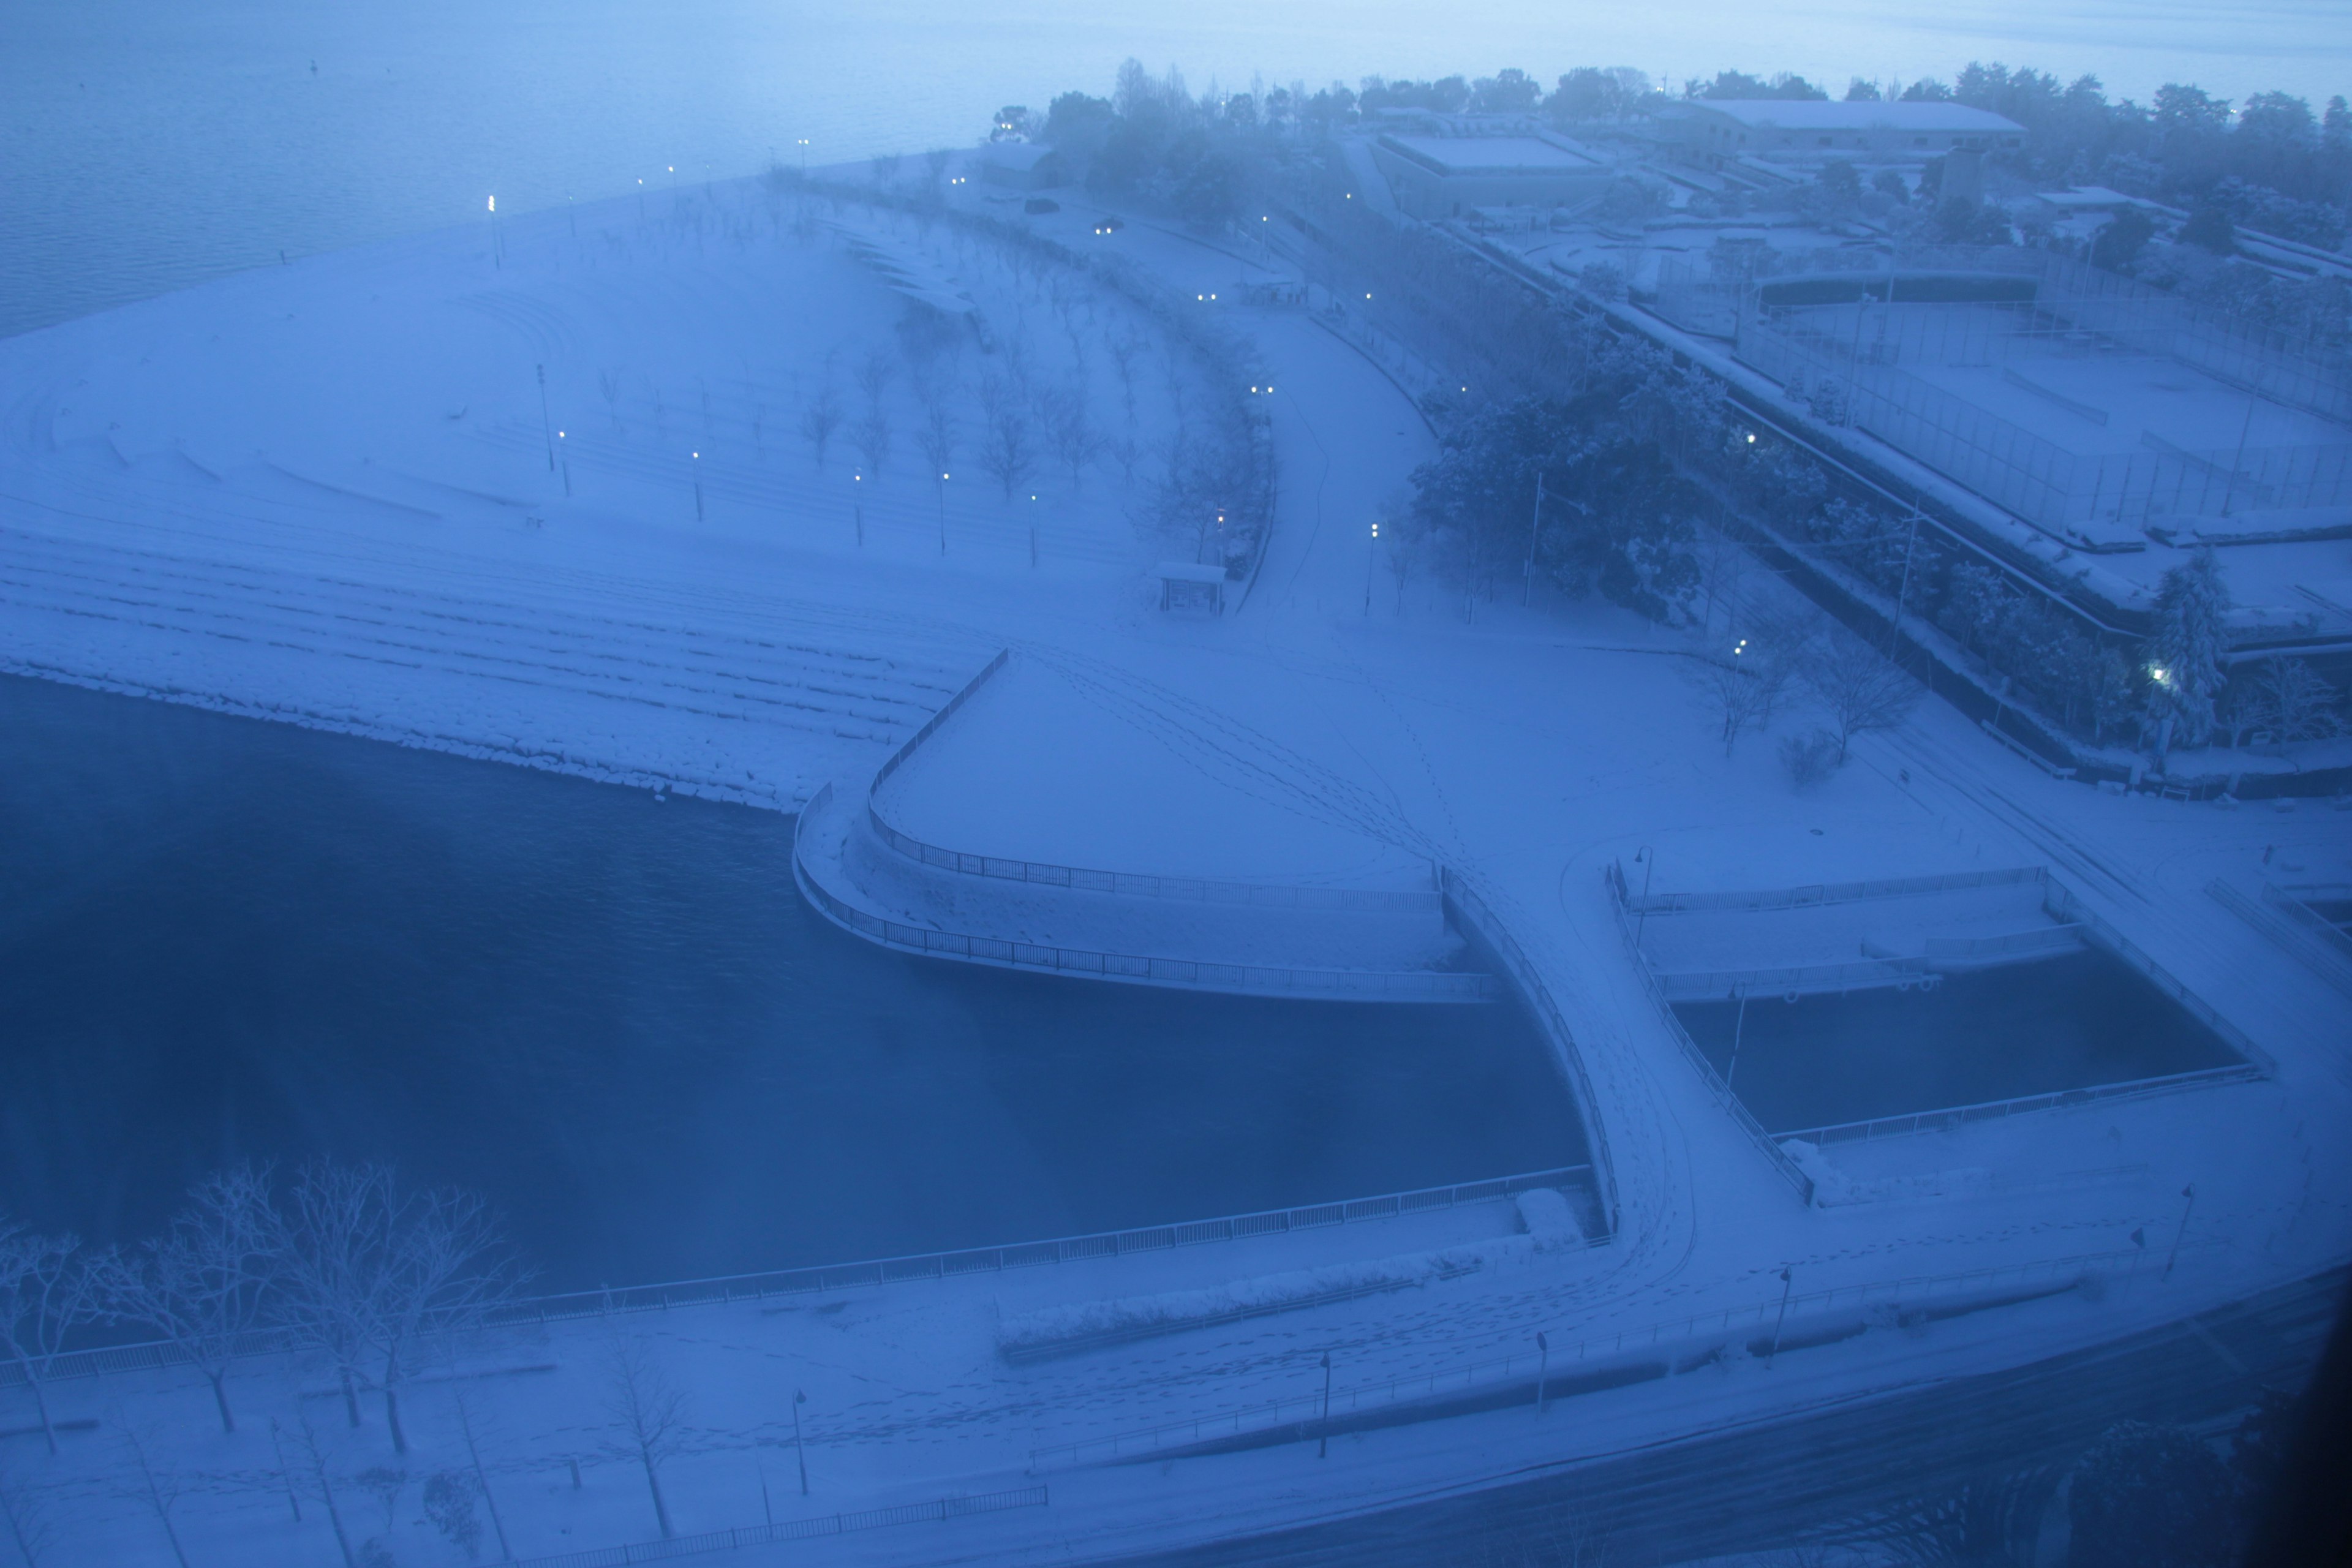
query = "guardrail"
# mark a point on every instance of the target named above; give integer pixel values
(1194, 888)
(790, 1529)
(1474, 919)
(2287, 922)
(1797, 980)
(1255, 980)
(1133, 884)
(1828, 892)
(154, 1354)
(947, 710)
(1776, 1156)
(1957, 1116)
(2061, 901)
(1309, 1410)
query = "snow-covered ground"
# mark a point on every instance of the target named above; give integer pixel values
(323, 494)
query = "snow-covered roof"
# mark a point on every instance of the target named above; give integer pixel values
(1188, 572)
(1491, 155)
(1797, 114)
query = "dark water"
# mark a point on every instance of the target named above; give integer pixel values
(223, 938)
(2073, 1022)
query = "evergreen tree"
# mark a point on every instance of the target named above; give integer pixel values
(2184, 657)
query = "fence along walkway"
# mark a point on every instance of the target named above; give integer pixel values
(1957, 1116)
(1619, 902)
(1128, 883)
(1257, 980)
(1308, 1411)
(149, 1356)
(792, 1530)
(2081, 926)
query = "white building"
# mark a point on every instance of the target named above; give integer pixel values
(1445, 177)
(1719, 130)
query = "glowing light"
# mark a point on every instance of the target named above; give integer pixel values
(494, 203)
(1751, 437)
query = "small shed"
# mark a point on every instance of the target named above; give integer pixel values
(1187, 586)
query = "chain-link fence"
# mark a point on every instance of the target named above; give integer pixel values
(1838, 328)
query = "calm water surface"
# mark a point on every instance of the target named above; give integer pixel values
(147, 144)
(223, 938)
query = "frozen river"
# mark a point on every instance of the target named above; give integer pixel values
(150, 145)
(223, 938)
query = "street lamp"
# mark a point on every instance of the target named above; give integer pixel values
(567, 464)
(697, 487)
(1323, 1444)
(800, 1451)
(942, 488)
(494, 234)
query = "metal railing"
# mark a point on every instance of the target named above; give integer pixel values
(152, 1355)
(1308, 1410)
(2062, 902)
(2287, 922)
(790, 1529)
(1795, 980)
(1245, 979)
(1957, 1116)
(1827, 892)
(1471, 916)
(1134, 884)
(1131, 884)
(947, 710)
(1732, 1106)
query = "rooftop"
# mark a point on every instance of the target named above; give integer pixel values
(1787, 114)
(1491, 155)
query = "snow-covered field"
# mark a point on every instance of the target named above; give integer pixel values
(323, 494)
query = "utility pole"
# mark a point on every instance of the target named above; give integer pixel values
(800, 1451)
(1788, 1283)
(1739, 1026)
(2190, 1192)
(1527, 585)
(1649, 867)
(1903, 593)
(1323, 1445)
(546, 424)
(1543, 1368)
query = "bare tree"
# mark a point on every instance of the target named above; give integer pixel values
(608, 382)
(204, 1286)
(935, 165)
(874, 374)
(820, 419)
(1070, 431)
(1123, 351)
(47, 1292)
(649, 1411)
(25, 1511)
(1005, 451)
(871, 436)
(885, 168)
(1741, 691)
(481, 1473)
(1860, 687)
(158, 1488)
(937, 436)
(310, 1448)
(370, 1270)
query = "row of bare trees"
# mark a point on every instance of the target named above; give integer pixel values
(1855, 687)
(345, 1259)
